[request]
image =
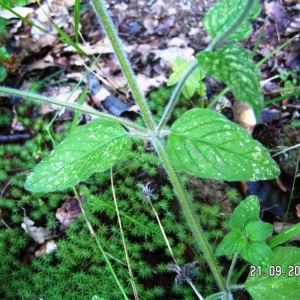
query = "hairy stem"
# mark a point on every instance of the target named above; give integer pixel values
(224, 34)
(76, 107)
(175, 96)
(216, 42)
(190, 216)
(111, 32)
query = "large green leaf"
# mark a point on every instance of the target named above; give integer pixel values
(206, 144)
(281, 285)
(91, 148)
(224, 13)
(234, 66)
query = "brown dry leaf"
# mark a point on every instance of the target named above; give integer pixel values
(47, 248)
(294, 27)
(13, 64)
(68, 212)
(298, 210)
(147, 84)
(39, 234)
(244, 115)
(22, 11)
(278, 14)
(168, 55)
(103, 46)
(62, 93)
(55, 11)
(43, 63)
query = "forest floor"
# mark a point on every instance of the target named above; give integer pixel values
(153, 34)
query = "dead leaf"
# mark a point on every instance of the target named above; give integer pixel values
(22, 11)
(13, 64)
(146, 84)
(39, 234)
(43, 63)
(103, 46)
(244, 115)
(47, 248)
(168, 55)
(298, 210)
(68, 212)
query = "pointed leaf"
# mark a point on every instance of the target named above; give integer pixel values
(91, 148)
(232, 243)
(206, 144)
(234, 66)
(258, 231)
(259, 254)
(224, 13)
(247, 211)
(284, 286)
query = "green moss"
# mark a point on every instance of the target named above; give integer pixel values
(77, 269)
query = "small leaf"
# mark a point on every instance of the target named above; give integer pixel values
(247, 211)
(258, 253)
(206, 144)
(234, 66)
(3, 73)
(192, 84)
(283, 287)
(91, 148)
(224, 13)
(232, 243)
(4, 54)
(258, 231)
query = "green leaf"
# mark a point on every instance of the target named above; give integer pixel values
(206, 144)
(3, 24)
(258, 253)
(232, 243)
(246, 212)
(192, 84)
(11, 3)
(258, 231)
(224, 13)
(285, 235)
(284, 286)
(91, 148)
(4, 54)
(3, 72)
(234, 66)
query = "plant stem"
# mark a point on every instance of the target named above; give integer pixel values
(159, 144)
(175, 96)
(76, 107)
(136, 297)
(222, 36)
(92, 232)
(234, 260)
(190, 216)
(111, 32)
(216, 42)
